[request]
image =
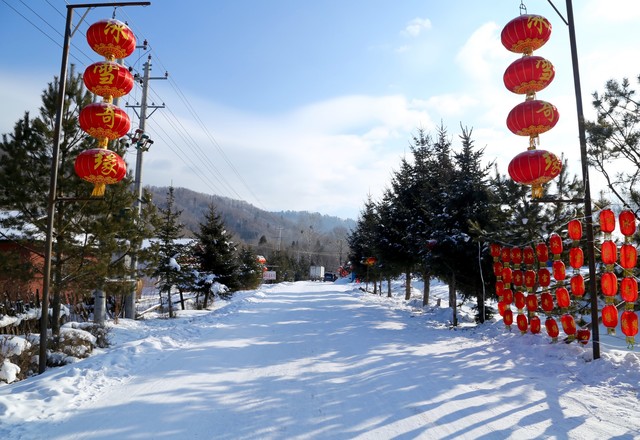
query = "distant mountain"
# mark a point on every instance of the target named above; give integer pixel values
(249, 224)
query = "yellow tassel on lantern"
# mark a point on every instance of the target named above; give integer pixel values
(98, 190)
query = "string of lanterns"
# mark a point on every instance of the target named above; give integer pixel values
(527, 76)
(103, 120)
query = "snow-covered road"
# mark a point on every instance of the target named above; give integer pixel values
(324, 361)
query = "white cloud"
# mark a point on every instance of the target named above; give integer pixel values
(415, 27)
(483, 56)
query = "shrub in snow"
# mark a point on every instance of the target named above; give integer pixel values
(8, 371)
(18, 357)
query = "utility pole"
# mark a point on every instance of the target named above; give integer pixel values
(142, 144)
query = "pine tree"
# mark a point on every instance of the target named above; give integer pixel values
(216, 251)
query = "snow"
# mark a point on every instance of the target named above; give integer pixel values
(313, 360)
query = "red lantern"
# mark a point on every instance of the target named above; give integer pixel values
(576, 258)
(499, 287)
(531, 118)
(111, 38)
(555, 243)
(108, 79)
(577, 285)
(568, 325)
(532, 302)
(575, 229)
(610, 318)
(552, 328)
(628, 256)
(495, 250)
(607, 221)
(629, 325)
(507, 296)
(516, 255)
(518, 278)
(507, 275)
(542, 252)
(583, 336)
(559, 270)
(544, 277)
(497, 269)
(523, 323)
(534, 168)
(528, 75)
(534, 325)
(526, 33)
(563, 297)
(371, 261)
(529, 279)
(100, 167)
(609, 284)
(608, 252)
(528, 255)
(629, 289)
(546, 301)
(505, 255)
(508, 317)
(627, 223)
(520, 301)
(502, 306)
(102, 120)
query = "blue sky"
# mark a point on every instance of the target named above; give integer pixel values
(297, 105)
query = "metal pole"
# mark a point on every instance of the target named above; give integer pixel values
(53, 181)
(595, 330)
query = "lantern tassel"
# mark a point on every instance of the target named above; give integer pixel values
(536, 191)
(98, 190)
(631, 341)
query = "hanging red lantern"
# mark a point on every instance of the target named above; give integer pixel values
(111, 38)
(569, 326)
(546, 301)
(502, 306)
(526, 33)
(507, 318)
(516, 256)
(529, 279)
(534, 325)
(629, 326)
(608, 252)
(559, 270)
(607, 221)
(555, 243)
(104, 121)
(532, 302)
(495, 249)
(519, 300)
(627, 223)
(499, 287)
(523, 323)
(583, 335)
(108, 79)
(628, 256)
(610, 318)
(507, 296)
(370, 261)
(528, 256)
(528, 75)
(532, 118)
(563, 298)
(518, 278)
(609, 284)
(497, 269)
(507, 275)
(505, 255)
(100, 167)
(542, 252)
(544, 277)
(576, 258)
(575, 229)
(629, 290)
(534, 168)
(577, 285)
(552, 328)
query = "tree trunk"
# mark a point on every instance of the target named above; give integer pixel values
(389, 287)
(407, 285)
(170, 303)
(375, 285)
(427, 287)
(453, 302)
(481, 306)
(181, 299)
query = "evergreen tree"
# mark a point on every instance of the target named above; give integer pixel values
(169, 249)
(216, 251)
(363, 239)
(250, 271)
